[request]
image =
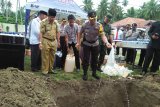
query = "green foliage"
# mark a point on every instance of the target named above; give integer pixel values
(8, 16)
(88, 5)
(103, 9)
(112, 8)
(149, 11)
(131, 12)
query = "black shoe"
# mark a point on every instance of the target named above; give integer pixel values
(35, 70)
(143, 73)
(99, 69)
(153, 73)
(96, 76)
(85, 77)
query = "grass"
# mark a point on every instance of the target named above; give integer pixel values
(61, 75)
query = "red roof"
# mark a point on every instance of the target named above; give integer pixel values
(140, 22)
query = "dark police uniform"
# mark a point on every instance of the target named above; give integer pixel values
(91, 45)
(153, 49)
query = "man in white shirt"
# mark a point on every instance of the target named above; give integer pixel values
(71, 34)
(33, 36)
(118, 35)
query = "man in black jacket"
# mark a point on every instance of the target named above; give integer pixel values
(153, 49)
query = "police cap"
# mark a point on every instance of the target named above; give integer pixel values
(92, 14)
(52, 12)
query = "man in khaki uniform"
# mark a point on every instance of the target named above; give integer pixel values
(49, 33)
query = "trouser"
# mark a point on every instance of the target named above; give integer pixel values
(102, 53)
(76, 54)
(124, 50)
(35, 57)
(142, 56)
(48, 53)
(131, 54)
(117, 50)
(64, 50)
(152, 53)
(93, 51)
(109, 49)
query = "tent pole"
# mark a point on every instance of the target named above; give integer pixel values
(16, 24)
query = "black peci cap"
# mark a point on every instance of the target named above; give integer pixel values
(92, 14)
(52, 12)
(42, 12)
(71, 17)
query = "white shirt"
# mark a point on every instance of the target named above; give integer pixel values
(71, 32)
(62, 32)
(34, 31)
(120, 34)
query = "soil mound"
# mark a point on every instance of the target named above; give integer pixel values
(25, 89)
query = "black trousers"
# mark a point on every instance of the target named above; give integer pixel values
(131, 54)
(142, 56)
(93, 51)
(109, 49)
(76, 54)
(35, 57)
(64, 51)
(124, 51)
(152, 53)
(102, 53)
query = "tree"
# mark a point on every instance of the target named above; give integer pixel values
(88, 4)
(131, 12)
(115, 10)
(2, 6)
(125, 2)
(103, 9)
(151, 10)
(8, 9)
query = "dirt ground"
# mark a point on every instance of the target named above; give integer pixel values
(26, 89)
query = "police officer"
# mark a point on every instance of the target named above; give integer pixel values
(102, 47)
(49, 33)
(91, 30)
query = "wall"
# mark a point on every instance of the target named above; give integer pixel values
(6, 27)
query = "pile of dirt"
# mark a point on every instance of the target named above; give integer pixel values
(25, 89)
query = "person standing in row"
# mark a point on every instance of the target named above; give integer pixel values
(91, 30)
(71, 32)
(63, 42)
(153, 49)
(102, 46)
(33, 36)
(49, 38)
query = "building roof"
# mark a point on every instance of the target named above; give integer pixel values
(140, 22)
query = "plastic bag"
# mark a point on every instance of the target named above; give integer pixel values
(58, 53)
(113, 69)
(111, 58)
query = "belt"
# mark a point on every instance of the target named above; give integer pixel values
(48, 39)
(91, 42)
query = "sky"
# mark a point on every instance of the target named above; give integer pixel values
(132, 3)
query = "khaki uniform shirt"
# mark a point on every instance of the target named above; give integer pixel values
(49, 31)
